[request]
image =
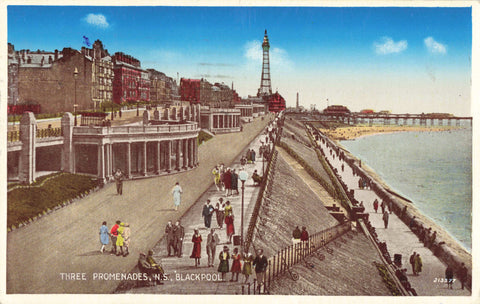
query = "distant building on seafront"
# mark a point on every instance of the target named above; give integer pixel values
(200, 91)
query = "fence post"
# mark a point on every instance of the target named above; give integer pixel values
(278, 262)
(269, 273)
(254, 286)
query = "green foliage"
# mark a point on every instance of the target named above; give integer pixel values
(203, 136)
(27, 202)
(387, 279)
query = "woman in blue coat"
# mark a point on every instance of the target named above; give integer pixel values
(104, 236)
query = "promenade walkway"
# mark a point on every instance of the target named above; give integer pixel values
(60, 252)
(400, 239)
(183, 276)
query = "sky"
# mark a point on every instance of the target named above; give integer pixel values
(402, 59)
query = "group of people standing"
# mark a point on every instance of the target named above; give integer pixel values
(224, 215)
(259, 263)
(174, 234)
(225, 179)
(119, 235)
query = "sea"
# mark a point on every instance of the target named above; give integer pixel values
(432, 169)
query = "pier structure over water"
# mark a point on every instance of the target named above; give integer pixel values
(397, 119)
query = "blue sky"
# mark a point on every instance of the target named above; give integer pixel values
(400, 59)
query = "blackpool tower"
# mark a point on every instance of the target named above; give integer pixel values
(265, 84)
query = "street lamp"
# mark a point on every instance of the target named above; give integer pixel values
(75, 75)
(243, 175)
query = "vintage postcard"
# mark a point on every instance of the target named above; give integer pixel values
(165, 150)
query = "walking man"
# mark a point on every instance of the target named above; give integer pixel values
(412, 262)
(179, 234)
(385, 219)
(260, 263)
(170, 232)
(462, 275)
(118, 176)
(207, 214)
(212, 242)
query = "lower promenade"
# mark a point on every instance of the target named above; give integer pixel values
(67, 240)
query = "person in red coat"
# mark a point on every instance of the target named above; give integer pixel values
(236, 265)
(227, 181)
(229, 221)
(197, 247)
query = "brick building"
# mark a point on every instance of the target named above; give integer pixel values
(203, 92)
(158, 90)
(46, 81)
(130, 82)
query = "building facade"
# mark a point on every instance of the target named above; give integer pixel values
(130, 83)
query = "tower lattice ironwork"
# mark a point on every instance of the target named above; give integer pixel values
(265, 84)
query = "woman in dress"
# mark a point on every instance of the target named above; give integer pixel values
(126, 238)
(177, 195)
(229, 221)
(197, 247)
(120, 238)
(247, 265)
(220, 212)
(104, 236)
(216, 177)
(236, 265)
(223, 265)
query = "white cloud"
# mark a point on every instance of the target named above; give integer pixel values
(434, 46)
(387, 46)
(97, 20)
(278, 57)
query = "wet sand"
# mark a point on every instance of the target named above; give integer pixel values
(352, 132)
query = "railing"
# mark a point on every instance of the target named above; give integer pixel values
(13, 136)
(280, 263)
(136, 129)
(50, 132)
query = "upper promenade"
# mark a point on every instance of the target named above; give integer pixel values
(67, 241)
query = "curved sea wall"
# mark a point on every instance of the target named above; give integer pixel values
(438, 246)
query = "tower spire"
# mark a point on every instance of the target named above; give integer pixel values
(265, 83)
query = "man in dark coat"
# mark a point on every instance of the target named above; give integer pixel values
(260, 263)
(462, 274)
(170, 232)
(234, 182)
(297, 233)
(385, 219)
(207, 213)
(412, 262)
(179, 234)
(212, 242)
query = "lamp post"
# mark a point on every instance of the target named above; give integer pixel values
(243, 175)
(75, 76)
(138, 113)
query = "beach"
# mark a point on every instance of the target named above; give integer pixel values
(352, 132)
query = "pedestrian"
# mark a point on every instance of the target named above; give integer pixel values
(197, 247)
(126, 239)
(207, 213)
(390, 206)
(252, 153)
(118, 176)
(432, 239)
(375, 205)
(235, 182)
(227, 181)
(296, 234)
(418, 264)
(170, 232)
(104, 236)
(412, 225)
(462, 274)
(229, 221)
(383, 205)
(304, 238)
(343, 167)
(177, 195)
(179, 234)
(404, 211)
(223, 266)
(257, 179)
(212, 242)
(236, 265)
(120, 238)
(412, 262)
(247, 265)
(113, 235)
(427, 236)
(449, 276)
(156, 266)
(260, 263)
(220, 212)
(216, 177)
(385, 219)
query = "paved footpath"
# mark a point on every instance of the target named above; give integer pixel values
(67, 241)
(400, 239)
(184, 277)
